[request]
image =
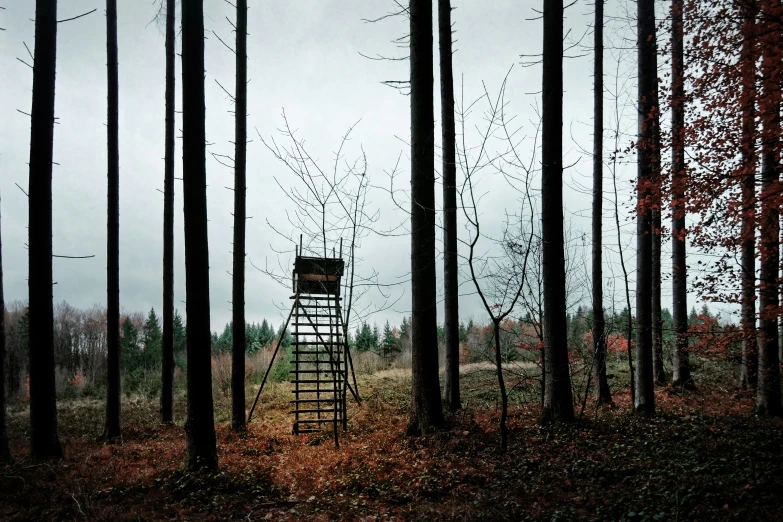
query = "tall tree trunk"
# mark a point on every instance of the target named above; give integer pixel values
(558, 398)
(451, 396)
(659, 376)
(200, 426)
(681, 372)
(113, 427)
(645, 396)
(167, 389)
(5, 454)
(43, 401)
(602, 393)
(768, 392)
(240, 189)
(426, 409)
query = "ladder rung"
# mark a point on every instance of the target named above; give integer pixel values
(311, 381)
(330, 410)
(311, 343)
(316, 421)
(311, 400)
(308, 297)
(322, 370)
(322, 391)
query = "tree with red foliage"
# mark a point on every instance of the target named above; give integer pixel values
(727, 39)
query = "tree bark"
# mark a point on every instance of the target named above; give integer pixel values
(659, 376)
(240, 188)
(558, 398)
(426, 409)
(113, 426)
(645, 396)
(768, 392)
(43, 401)
(167, 377)
(602, 393)
(502, 386)
(200, 425)
(451, 395)
(681, 373)
(5, 453)
(750, 361)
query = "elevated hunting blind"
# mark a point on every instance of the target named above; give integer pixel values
(320, 355)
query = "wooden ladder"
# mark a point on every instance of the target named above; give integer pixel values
(319, 373)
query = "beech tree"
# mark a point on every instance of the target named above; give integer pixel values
(200, 425)
(768, 400)
(240, 212)
(656, 325)
(451, 395)
(749, 367)
(644, 400)
(558, 398)
(113, 426)
(44, 441)
(602, 392)
(167, 377)
(426, 407)
(680, 366)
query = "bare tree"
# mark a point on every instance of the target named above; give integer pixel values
(602, 393)
(167, 377)
(200, 425)
(240, 213)
(500, 276)
(558, 398)
(43, 403)
(113, 426)
(451, 395)
(327, 206)
(647, 80)
(425, 410)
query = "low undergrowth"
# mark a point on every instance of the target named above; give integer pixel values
(702, 457)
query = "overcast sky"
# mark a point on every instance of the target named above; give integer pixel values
(304, 58)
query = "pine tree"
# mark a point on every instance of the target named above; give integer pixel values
(645, 396)
(44, 441)
(240, 211)
(113, 426)
(558, 404)
(152, 340)
(5, 454)
(169, 332)
(200, 424)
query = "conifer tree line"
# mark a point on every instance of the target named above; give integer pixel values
(707, 181)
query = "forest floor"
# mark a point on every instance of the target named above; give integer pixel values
(704, 456)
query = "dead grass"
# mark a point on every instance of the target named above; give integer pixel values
(703, 457)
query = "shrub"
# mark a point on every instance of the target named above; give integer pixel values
(283, 366)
